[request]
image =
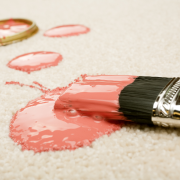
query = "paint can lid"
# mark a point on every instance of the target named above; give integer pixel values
(14, 30)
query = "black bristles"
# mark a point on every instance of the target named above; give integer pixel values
(136, 100)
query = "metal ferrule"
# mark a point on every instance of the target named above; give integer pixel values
(166, 108)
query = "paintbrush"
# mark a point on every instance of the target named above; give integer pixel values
(140, 99)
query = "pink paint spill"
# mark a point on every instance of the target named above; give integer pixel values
(79, 117)
(66, 30)
(12, 27)
(35, 61)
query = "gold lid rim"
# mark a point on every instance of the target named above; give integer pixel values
(21, 35)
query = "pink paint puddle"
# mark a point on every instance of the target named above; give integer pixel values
(66, 30)
(35, 61)
(70, 117)
(12, 27)
(40, 127)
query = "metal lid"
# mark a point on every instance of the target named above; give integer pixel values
(19, 36)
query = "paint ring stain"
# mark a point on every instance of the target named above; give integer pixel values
(15, 30)
(35, 61)
(12, 27)
(40, 127)
(66, 30)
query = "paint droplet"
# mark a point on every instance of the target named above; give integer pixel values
(66, 30)
(35, 61)
(72, 112)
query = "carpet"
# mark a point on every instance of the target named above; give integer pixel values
(132, 37)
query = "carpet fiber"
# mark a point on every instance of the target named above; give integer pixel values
(132, 37)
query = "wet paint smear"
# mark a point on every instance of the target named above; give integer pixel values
(41, 127)
(12, 27)
(66, 30)
(96, 96)
(35, 61)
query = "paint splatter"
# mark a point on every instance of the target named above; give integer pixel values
(66, 30)
(35, 61)
(41, 87)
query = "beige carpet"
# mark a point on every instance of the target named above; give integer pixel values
(138, 37)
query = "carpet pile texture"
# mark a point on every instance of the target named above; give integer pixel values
(132, 37)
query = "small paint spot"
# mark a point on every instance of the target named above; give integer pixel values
(35, 61)
(67, 30)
